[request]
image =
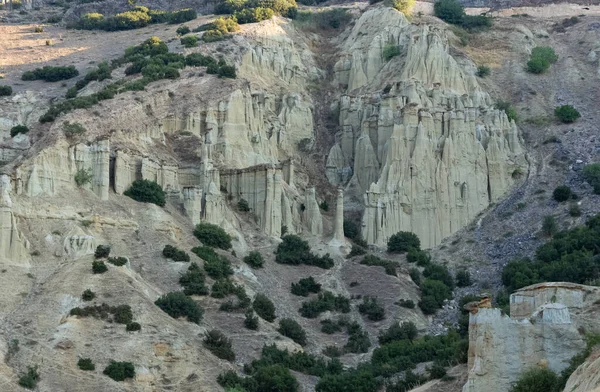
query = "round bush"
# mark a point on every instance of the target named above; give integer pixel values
(146, 192)
(403, 241)
(14, 131)
(293, 330)
(212, 235)
(86, 364)
(450, 11)
(567, 114)
(562, 193)
(5, 91)
(534, 380)
(264, 307)
(254, 259)
(177, 304)
(119, 371)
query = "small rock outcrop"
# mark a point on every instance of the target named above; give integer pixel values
(13, 247)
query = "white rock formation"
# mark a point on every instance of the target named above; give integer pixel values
(312, 213)
(13, 247)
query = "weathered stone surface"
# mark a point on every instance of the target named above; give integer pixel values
(312, 213)
(13, 247)
(586, 378)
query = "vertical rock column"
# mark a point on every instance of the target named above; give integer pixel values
(312, 214)
(13, 248)
(101, 168)
(192, 203)
(338, 229)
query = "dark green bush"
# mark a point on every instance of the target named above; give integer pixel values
(388, 265)
(371, 308)
(217, 267)
(403, 241)
(122, 314)
(463, 278)
(189, 41)
(450, 11)
(421, 257)
(133, 326)
(242, 205)
(549, 226)
(275, 378)
(118, 261)
(329, 326)
(183, 30)
(171, 252)
(199, 60)
(358, 339)
(83, 177)
(536, 379)
(86, 364)
(5, 91)
(574, 210)
(561, 193)
(212, 235)
(193, 281)
(251, 321)
(181, 16)
(102, 251)
(439, 272)
(212, 36)
(415, 275)
(305, 286)
(483, 71)
(264, 307)
(88, 295)
(591, 173)
(227, 71)
(324, 302)
(567, 114)
(146, 191)
(433, 294)
(119, 371)
(17, 129)
(541, 59)
(406, 303)
(397, 331)
(51, 74)
(356, 251)
(390, 51)
(253, 15)
(293, 250)
(177, 304)
(293, 330)
(29, 379)
(254, 259)
(219, 344)
(98, 267)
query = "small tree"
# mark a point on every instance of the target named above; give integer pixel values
(17, 129)
(567, 114)
(146, 192)
(403, 241)
(463, 278)
(483, 71)
(591, 173)
(182, 30)
(549, 226)
(88, 295)
(98, 267)
(86, 364)
(372, 309)
(177, 304)
(83, 176)
(133, 326)
(536, 379)
(251, 321)
(119, 371)
(212, 235)
(254, 259)
(102, 251)
(29, 379)
(450, 11)
(189, 41)
(264, 307)
(5, 91)
(243, 206)
(390, 51)
(293, 330)
(219, 345)
(562, 193)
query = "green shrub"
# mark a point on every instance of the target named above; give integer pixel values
(193, 281)
(388, 265)
(390, 51)
(131, 327)
(118, 261)
(536, 379)
(146, 191)
(397, 331)
(293, 330)
(264, 307)
(5, 91)
(406, 303)
(507, 108)
(122, 314)
(439, 272)
(574, 210)
(72, 129)
(217, 267)
(171, 252)
(254, 259)
(403, 241)
(212, 235)
(332, 18)
(305, 286)
(181, 16)
(463, 278)
(198, 60)
(189, 41)
(549, 226)
(324, 205)
(541, 58)
(333, 351)
(86, 364)
(88, 295)
(17, 129)
(177, 304)
(324, 302)
(450, 11)
(433, 294)
(358, 339)
(415, 275)
(567, 114)
(483, 71)
(275, 378)
(242, 205)
(561, 193)
(293, 250)
(98, 267)
(102, 251)
(476, 22)
(329, 326)
(119, 371)
(356, 251)
(51, 74)
(251, 321)
(351, 229)
(227, 71)
(212, 36)
(219, 344)
(372, 309)
(404, 6)
(592, 341)
(591, 173)
(83, 177)
(253, 15)
(183, 30)
(29, 379)
(420, 257)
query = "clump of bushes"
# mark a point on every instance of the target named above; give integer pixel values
(294, 250)
(121, 314)
(98, 267)
(30, 378)
(193, 281)
(264, 307)
(536, 379)
(243, 206)
(86, 364)
(549, 226)
(541, 58)
(146, 191)
(305, 286)
(562, 193)
(135, 18)
(388, 265)
(254, 259)
(251, 321)
(406, 303)
(358, 339)
(219, 344)
(119, 371)
(17, 129)
(182, 30)
(217, 267)
(253, 15)
(171, 252)
(132, 327)
(177, 304)
(507, 108)
(591, 173)
(189, 41)
(463, 278)
(212, 235)
(403, 241)
(371, 308)
(88, 295)
(246, 11)
(433, 294)
(118, 261)
(102, 72)
(397, 331)
(451, 11)
(390, 51)
(324, 302)
(72, 129)
(420, 257)
(328, 19)
(5, 91)
(567, 114)
(51, 74)
(290, 328)
(483, 71)
(102, 251)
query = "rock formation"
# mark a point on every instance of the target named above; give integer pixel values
(543, 328)
(338, 224)
(13, 247)
(312, 213)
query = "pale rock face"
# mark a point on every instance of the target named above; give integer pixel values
(77, 243)
(428, 152)
(13, 247)
(543, 328)
(312, 213)
(586, 378)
